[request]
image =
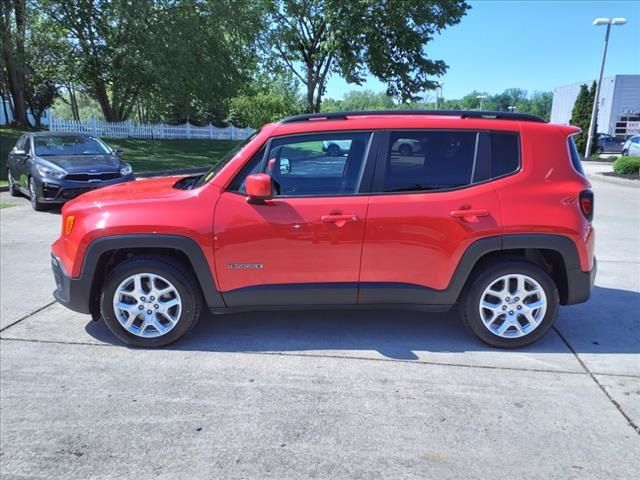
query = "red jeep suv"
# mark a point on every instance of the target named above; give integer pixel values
(487, 211)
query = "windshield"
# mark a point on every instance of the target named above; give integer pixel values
(223, 161)
(69, 145)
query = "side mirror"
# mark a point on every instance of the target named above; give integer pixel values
(19, 153)
(118, 153)
(258, 187)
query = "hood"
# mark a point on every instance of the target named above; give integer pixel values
(84, 163)
(134, 191)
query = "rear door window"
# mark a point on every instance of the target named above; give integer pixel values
(429, 160)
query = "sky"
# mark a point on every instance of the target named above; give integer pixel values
(534, 45)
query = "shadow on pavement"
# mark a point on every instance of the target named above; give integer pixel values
(608, 323)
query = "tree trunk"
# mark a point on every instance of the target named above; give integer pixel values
(13, 54)
(100, 93)
(4, 105)
(310, 94)
(73, 99)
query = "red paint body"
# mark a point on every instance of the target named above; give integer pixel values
(416, 238)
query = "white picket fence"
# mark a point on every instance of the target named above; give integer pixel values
(130, 129)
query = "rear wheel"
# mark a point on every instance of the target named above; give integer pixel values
(150, 302)
(511, 304)
(13, 188)
(33, 196)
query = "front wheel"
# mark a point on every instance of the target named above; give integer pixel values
(150, 302)
(33, 195)
(511, 304)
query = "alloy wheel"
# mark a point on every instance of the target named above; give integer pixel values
(513, 305)
(147, 305)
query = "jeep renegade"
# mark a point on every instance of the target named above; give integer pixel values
(487, 211)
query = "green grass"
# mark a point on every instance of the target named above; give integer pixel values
(151, 155)
(3, 183)
(144, 155)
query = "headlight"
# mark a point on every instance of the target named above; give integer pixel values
(126, 169)
(50, 172)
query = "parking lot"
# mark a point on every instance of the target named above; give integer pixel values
(331, 394)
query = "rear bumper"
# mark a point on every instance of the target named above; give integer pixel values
(579, 285)
(71, 292)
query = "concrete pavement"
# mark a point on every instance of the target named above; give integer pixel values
(321, 394)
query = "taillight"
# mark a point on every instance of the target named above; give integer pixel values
(586, 204)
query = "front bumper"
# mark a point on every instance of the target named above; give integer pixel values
(61, 191)
(73, 293)
(580, 284)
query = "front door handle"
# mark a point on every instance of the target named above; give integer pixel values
(469, 215)
(339, 219)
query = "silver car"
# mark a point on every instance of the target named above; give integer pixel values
(632, 146)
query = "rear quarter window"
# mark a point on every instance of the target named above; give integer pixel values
(575, 156)
(505, 153)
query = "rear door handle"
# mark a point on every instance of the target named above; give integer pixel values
(469, 215)
(339, 219)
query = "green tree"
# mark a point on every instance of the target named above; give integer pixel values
(104, 40)
(360, 100)
(581, 116)
(202, 55)
(13, 27)
(266, 99)
(318, 38)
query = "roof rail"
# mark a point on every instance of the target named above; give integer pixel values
(523, 117)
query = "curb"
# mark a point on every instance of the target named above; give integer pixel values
(619, 181)
(4, 189)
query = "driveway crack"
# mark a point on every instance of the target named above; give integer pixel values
(27, 316)
(593, 377)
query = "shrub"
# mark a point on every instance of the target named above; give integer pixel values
(627, 165)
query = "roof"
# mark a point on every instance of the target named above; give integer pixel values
(406, 119)
(393, 113)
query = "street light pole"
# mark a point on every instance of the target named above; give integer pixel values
(608, 22)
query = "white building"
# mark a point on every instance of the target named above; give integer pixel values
(619, 109)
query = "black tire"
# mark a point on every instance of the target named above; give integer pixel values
(33, 196)
(13, 188)
(334, 150)
(405, 150)
(599, 150)
(473, 292)
(625, 153)
(171, 270)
